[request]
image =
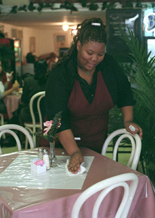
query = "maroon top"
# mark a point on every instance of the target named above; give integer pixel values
(90, 121)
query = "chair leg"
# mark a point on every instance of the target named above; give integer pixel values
(26, 143)
(34, 139)
(2, 123)
(142, 164)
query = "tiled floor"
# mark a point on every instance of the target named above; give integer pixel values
(6, 150)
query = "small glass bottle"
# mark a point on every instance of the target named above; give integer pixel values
(46, 159)
(40, 153)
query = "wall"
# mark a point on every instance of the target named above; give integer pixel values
(47, 40)
(44, 38)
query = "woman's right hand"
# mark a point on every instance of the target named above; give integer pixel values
(75, 162)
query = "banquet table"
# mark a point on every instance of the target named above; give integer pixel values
(12, 103)
(29, 200)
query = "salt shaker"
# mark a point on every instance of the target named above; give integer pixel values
(46, 159)
(40, 153)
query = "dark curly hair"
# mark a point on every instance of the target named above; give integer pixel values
(30, 58)
(89, 30)
(40, 68)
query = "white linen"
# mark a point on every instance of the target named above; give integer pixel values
(19, 174)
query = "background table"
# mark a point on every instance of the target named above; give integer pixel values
(12, 103)
(23, 202)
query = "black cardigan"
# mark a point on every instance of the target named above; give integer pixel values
(61, 81)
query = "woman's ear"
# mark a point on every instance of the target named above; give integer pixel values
(78, 45)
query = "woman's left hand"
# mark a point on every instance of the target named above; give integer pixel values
(133, 128)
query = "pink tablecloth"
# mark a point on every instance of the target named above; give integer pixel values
(24, 202)
(12, 103)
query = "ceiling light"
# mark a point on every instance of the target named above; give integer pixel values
(65, 27)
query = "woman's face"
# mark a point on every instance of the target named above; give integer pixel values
(90, 54)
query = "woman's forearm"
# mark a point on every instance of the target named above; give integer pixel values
(66, 138)
(6, 84)
(127, 114)
(7, 92)
(14, 87)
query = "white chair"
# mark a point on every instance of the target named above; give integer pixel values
(105, 186)
(8, 128)
(135, 142)
(33, 126)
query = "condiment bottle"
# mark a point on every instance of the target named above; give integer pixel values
(40, 153)
(46, 159)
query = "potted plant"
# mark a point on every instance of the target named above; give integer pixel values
(142, 74)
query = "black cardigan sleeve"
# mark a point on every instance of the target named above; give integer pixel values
(117, 82)
(58, 90)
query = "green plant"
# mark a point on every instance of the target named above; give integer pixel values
(69, 5)
(142, 71)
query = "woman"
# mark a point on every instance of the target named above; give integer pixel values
(32, 85)
(85, 84)
(6, 87)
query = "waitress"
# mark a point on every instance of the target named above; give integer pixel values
(85, 84)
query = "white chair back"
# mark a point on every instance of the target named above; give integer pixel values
(2, 122)
(8, 129)
(33, 126)
(135, 143)
(105, 186)
(40, 95)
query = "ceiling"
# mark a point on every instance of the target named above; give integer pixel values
(47, 17)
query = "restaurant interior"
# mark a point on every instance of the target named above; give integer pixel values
(42, 27)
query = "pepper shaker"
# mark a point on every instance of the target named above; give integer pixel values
(40, 153)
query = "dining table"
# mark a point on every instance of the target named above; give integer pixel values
(12, 102)
(52, 194)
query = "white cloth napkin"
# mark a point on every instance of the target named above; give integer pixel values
(82, 170)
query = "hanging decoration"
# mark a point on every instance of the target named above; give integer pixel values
(91, 5)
